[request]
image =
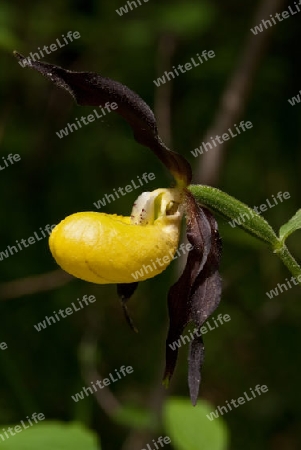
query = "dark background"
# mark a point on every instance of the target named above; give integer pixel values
(251, 78)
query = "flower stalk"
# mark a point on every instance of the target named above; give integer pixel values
(230, 208)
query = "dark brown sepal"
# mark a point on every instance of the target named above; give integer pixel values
(91, 89)
(197, 293)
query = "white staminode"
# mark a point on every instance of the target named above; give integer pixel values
(149, 206)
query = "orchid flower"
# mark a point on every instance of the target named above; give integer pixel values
(104, 249)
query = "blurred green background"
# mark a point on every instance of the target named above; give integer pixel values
(57, 177)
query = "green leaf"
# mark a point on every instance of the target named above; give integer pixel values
(289, 227)
(190, 429)
(50, 436)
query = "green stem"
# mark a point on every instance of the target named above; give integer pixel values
(290, 262)
(247, 219)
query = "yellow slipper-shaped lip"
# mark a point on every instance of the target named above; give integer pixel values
(103, 248)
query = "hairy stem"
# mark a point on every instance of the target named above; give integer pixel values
(230, 209)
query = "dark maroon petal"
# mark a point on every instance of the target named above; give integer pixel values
(91, 89)
(179, 296)
(195, 362)
(206, 292)
(204, 301)
(194, 297)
